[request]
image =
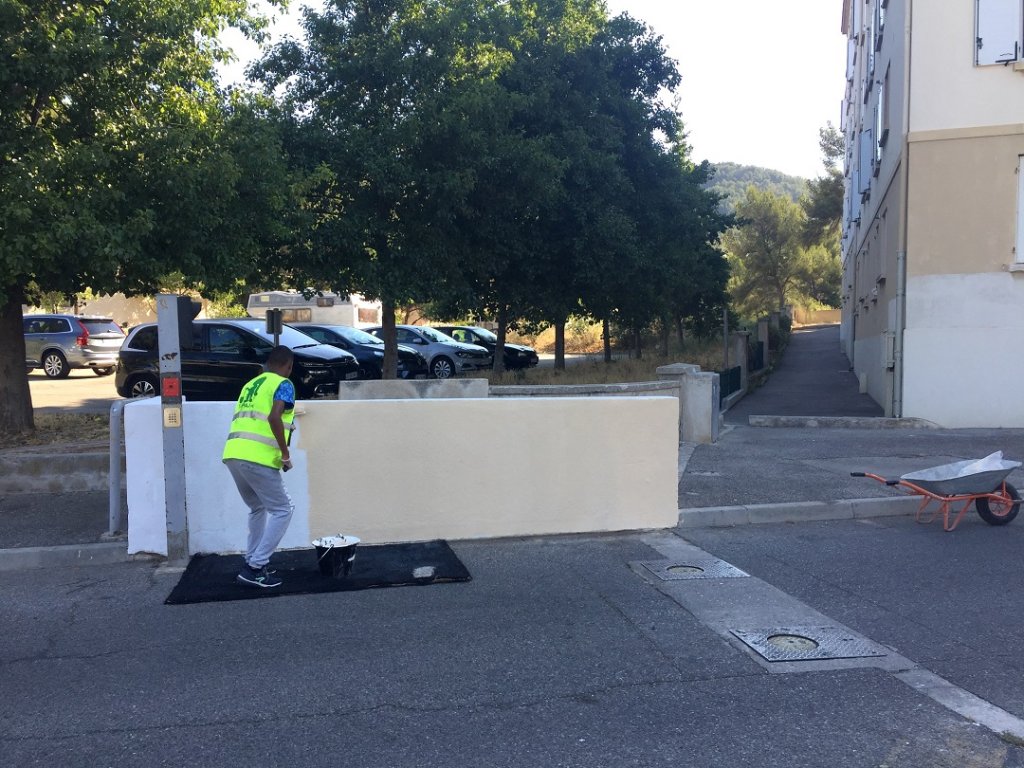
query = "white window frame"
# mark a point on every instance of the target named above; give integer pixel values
(998, 31)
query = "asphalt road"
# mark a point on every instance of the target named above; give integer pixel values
(562, 651)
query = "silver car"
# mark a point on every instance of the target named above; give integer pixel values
(58, 343)
(446, 357)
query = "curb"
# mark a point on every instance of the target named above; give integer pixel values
(55, 472)
(846, 422)
(64, 555)
(797, 512)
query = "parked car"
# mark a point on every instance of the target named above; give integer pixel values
(516, 355)
(59, 343)
(368, 349)
(446, 357)
(226, 354)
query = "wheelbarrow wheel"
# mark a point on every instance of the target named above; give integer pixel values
(1001, 511)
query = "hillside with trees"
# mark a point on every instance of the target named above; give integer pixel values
(730, 180)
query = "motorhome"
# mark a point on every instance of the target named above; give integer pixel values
(324, 307)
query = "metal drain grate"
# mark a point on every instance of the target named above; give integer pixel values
(702, 568)
(807, 643)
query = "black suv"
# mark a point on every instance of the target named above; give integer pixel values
(516, 355)
(368, 349)
(227, 353)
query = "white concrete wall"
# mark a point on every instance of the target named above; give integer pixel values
(216, 515)
(408, 470)
(949, 91)
(962, 349)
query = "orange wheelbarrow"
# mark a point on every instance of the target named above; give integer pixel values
(956, 486)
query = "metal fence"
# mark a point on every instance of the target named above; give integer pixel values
(755, 357)
(729, 382)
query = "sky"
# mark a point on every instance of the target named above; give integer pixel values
(758, 78)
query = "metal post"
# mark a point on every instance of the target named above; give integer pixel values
(173, 427)
(725, 338)
(275, 324)
(118, 520)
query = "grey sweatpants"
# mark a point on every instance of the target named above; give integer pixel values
(270, 507)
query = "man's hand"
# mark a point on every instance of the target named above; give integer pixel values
(286, 462)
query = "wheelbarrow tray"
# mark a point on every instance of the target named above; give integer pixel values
(964, 478)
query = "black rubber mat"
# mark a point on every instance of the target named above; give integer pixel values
(211, 578)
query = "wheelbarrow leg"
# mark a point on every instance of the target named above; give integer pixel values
(946, 526)
(920, 517)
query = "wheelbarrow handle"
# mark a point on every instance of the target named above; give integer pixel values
(879, 478)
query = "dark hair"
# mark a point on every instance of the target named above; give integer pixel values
(279, 357)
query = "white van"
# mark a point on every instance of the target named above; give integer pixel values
(325, 307)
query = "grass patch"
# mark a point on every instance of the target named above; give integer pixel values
(1011, 738)
(62, 428)
(588, 372)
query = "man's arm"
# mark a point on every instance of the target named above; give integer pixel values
(277, 427)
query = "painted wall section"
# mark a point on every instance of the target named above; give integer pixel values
(949, 91)
(409, 470)
(963, 202)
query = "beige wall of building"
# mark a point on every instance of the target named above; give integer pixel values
(962, 206)
(952, 204)
(949, 90)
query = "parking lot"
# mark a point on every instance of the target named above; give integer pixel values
(82, 391)
(85, 392)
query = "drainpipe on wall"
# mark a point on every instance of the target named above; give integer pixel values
(901, 308)
(901, 254)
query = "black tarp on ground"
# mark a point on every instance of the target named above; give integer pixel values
(211, 578)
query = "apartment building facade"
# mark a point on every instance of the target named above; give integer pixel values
(933, 220)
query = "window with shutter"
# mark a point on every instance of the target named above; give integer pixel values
(1019, 257)
(999, 25)
(867, 157)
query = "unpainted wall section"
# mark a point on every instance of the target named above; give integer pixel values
(962, 349)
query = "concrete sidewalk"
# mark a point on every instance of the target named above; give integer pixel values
(813, 378)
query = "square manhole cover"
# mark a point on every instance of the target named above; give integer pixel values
(807, 643)
(699, 568)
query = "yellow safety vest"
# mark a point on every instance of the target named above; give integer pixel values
(251, 438)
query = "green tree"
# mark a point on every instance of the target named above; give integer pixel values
(823, 203)
(113, 167)
(765, 252)
(372, 93)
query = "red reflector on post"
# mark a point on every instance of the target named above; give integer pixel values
(170, 386)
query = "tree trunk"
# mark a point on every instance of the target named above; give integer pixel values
(389, 365)
(637, 345)
(499, 348)
(560, 344)
(664, 337)
(681, 331)
(16, 403)
(606, 336)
